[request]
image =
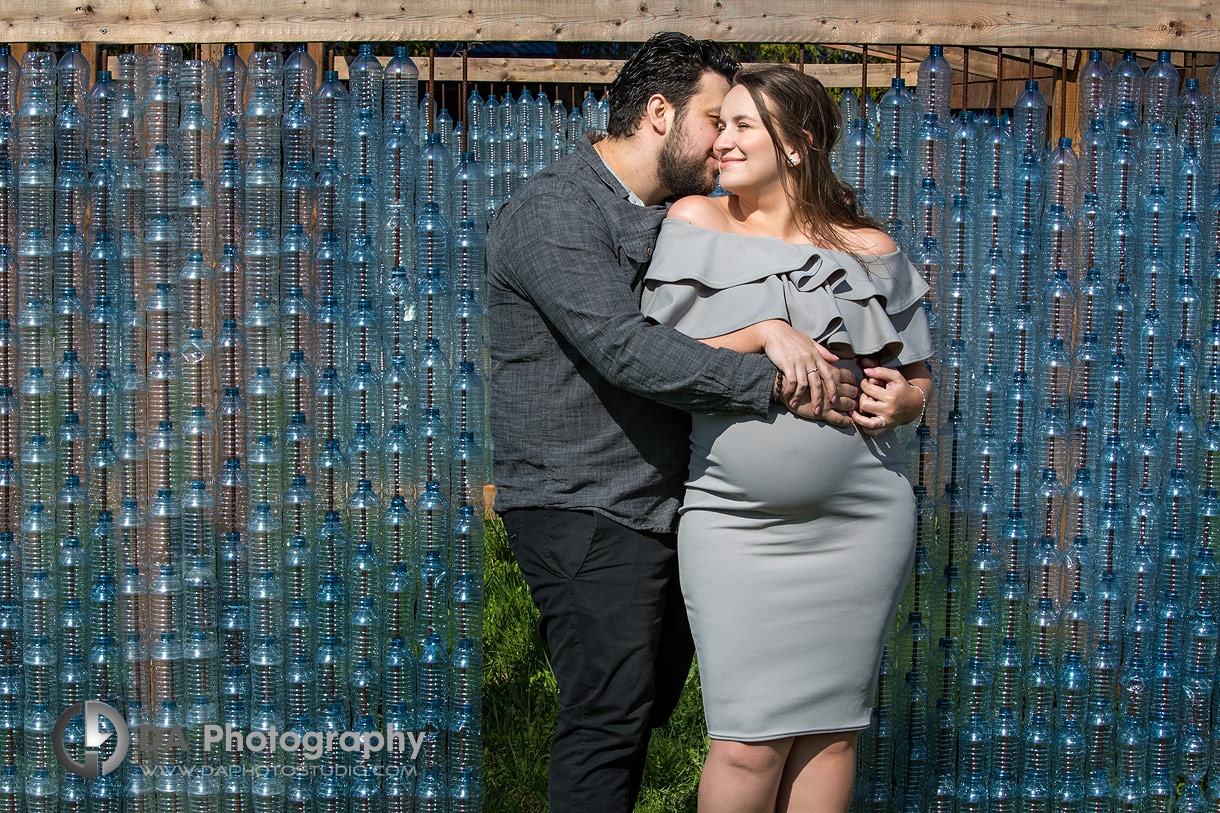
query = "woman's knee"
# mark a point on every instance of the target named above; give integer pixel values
(753, 757)
(832, 745)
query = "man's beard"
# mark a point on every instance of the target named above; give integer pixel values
(679, 172)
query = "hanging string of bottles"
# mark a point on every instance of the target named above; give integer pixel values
(242, 424)
(1056, 649)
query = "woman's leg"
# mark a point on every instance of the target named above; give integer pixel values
(742, 777)
(819, 774)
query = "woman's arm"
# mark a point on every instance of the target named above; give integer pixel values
(918, 376)
(750, 339)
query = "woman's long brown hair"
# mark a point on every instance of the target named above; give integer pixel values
(797, 111)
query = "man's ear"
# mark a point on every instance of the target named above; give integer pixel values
(657, 114)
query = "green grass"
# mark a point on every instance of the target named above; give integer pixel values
(520, 700)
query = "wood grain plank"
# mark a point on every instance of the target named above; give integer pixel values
(1172, 24)
(212, 52)
(489, 501)
(601, 71)
(1065, 107)
(316, 51)
(982, 60)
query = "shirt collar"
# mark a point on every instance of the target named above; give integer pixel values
(584, 146)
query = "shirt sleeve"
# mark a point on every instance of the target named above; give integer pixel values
(552, 254)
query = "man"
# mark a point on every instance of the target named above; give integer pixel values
(590, 412)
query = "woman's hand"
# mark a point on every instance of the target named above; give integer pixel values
(813, 387)
(887, 400)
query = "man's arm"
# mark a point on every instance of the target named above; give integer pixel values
(792, 351)
(565, 263)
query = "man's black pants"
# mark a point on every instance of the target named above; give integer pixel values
(620, 645)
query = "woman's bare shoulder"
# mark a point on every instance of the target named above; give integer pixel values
(867, 241)
(701, 211)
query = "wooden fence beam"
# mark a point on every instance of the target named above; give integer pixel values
(982, 60)
(557, 71)
(601, 71)
(1182, 25)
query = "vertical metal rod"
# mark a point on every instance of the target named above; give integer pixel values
(466, 94)
(431, 88)
(864, 95)
(863, 79)
(966, 78)
(1031, 64)
(999, 79)
(1063, 92)
(897, 61)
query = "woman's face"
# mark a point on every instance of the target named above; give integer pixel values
(744, 148)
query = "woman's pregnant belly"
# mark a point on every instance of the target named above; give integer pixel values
(790, 466)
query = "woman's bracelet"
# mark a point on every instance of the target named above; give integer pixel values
(923, 408)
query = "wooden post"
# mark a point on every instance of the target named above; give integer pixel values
(1071, 100)
(319, 57)
(1065, 113)
(489, 501)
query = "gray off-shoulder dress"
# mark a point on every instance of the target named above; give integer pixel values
(796, 538)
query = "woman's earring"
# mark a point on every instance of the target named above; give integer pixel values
(792, 161)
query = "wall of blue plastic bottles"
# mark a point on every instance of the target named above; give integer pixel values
(1056, 649)
(242, 424)
(242, 431)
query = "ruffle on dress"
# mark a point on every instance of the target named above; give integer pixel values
(706, 283)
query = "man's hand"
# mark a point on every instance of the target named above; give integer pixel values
(813, 387)
(839, 413)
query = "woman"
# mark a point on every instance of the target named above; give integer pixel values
(796, 537)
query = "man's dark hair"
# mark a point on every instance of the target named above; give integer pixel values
(670, 64)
